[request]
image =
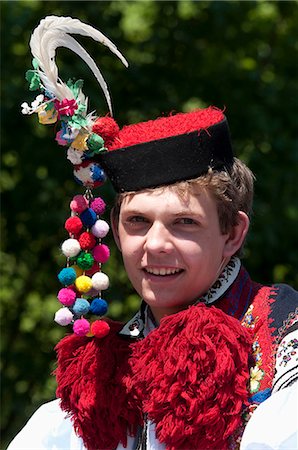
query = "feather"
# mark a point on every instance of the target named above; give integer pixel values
(54, 32)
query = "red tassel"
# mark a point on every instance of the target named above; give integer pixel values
(191, 375)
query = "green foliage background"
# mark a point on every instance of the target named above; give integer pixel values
(237, 55)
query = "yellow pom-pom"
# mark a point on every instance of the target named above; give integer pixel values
(83, 283)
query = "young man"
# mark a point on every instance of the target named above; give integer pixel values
(208, 345)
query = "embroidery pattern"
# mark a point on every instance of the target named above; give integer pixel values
(287, 350)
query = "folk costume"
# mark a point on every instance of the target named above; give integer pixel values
(195, 380)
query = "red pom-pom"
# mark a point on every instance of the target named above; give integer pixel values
(87, 241)
(107, 128)
(100, 329)
(73, 225)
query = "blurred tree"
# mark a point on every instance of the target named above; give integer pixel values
(237, 55)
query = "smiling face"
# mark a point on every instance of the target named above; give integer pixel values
(172, 247)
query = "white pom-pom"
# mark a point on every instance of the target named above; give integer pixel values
(63, 316)
(100, 281)
(100, 229)
(71, 247)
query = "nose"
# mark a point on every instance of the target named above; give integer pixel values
(158, 239)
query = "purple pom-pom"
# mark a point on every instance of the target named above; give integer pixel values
(98, 205)
(100, 229)
(63, 316)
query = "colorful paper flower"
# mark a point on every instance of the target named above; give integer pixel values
(66, 107)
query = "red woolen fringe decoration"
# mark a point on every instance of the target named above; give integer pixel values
(91, 389)
(189, 375)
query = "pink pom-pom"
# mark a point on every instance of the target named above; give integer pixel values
(63, 317)
(87, 241)
(81, 327)
(78, 204)
(100, 229)
(100, 329)
(66, 296)
(101, 253)
(98, 205)
(107, 128)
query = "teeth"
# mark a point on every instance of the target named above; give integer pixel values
(162, 271)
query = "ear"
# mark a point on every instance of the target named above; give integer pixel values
(114, 225)
(237, 235)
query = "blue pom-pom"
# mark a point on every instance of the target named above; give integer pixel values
(88, 217)
(99, 307)
(81, 306)
(67, 276)
(97, 174)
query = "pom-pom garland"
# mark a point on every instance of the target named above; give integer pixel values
(82, 278)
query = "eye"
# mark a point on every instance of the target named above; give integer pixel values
(186, 221)
(136, 219)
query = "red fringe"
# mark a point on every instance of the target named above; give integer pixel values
(189, 375)
(91, 389)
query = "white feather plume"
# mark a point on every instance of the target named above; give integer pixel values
(54, 32)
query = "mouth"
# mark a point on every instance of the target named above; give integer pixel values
(162, 271)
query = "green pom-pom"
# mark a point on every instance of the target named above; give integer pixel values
(85, 260)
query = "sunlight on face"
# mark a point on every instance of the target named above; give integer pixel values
(172, 247)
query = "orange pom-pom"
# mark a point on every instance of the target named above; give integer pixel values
(107, 128)
(100, 329)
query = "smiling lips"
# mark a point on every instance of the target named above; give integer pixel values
(162, 271)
